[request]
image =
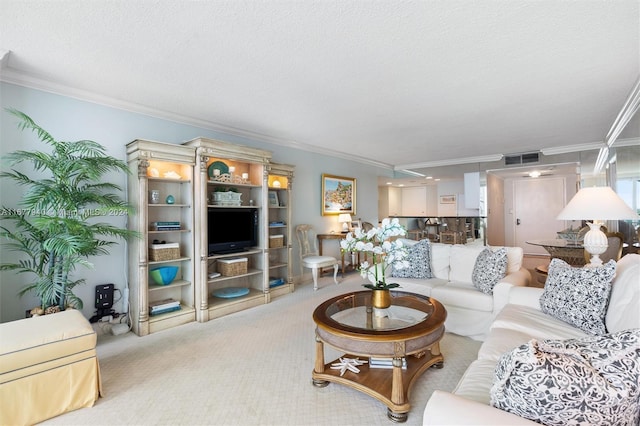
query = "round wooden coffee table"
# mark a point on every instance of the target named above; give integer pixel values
(406, 335)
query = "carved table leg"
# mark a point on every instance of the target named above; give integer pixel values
(435, 351)
(397, 392)
(319, 365)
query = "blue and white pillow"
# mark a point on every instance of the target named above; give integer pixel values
(419, 259)
(578, 296)
(593, 380)
(489, 269)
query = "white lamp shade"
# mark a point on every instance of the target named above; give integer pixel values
(597, 203)
(343, 218)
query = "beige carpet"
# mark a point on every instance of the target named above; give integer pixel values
(249, 368)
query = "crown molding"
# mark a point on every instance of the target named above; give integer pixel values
(12, 76)
(452, 162)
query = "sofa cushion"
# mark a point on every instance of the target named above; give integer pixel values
(490, 267)
(593, 380)
(440, 256)
(464, 295)
(623, 312)
(578, 296)
(534, 323)
(477, 380)
(416, 285)
(514, 258)
(462, 261)
(419, 259)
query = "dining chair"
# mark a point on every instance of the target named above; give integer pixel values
(613, 251)
(309, 255)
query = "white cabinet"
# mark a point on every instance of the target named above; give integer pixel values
(165, 225)
(414, 201)
(389, 202)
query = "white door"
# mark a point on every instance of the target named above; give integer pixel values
(536, 204)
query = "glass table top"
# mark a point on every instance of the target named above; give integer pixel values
(353, 312)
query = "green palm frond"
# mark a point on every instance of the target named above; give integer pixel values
(69, 191)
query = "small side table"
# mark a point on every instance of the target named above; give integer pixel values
(336, 236)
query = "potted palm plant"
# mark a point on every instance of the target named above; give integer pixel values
(56, 227)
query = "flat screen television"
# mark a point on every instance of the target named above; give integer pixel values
(232, 230)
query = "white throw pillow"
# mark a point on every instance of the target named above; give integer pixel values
(623, 312)
(463, 259)
(440, 257)
(593, 380)
(489, 269)
(578, 296)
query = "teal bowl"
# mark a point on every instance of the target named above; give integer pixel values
(164, 275)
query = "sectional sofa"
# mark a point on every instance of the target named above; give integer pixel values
(521, 320)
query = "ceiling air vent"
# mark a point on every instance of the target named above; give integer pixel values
(531, 157)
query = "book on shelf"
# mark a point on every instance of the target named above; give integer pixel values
(167, 223)
(376, 362)
(275, 282)
(163, 304)
(166, 228)
(164, 311)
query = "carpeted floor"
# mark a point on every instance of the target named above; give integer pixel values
(249, 368)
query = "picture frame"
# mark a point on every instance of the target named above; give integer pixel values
(355, 224)
(338, 195)
(447, 199)
(273, 199)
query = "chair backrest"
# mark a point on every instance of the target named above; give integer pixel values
(614, 251)
(307, 240)
(367, 226)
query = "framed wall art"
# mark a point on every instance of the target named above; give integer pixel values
(355, 224)
(273, 199)
(338, 195)
(447, 199)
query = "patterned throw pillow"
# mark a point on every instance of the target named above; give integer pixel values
(593, 380)
(578, 296)
(490, 267)
(419, 262)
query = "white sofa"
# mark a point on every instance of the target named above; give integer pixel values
(470, 312)
(518, 322)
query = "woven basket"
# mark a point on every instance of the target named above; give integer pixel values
(276, 241)
(160, 252)
(232, 267)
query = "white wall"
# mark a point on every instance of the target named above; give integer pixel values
(71, 119)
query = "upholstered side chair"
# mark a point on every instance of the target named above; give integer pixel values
(309, 256)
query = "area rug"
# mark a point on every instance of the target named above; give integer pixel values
(249, 368)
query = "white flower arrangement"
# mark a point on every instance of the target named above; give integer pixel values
(384, 253)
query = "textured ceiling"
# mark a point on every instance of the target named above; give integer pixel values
(401, 83)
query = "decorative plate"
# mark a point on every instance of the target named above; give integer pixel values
(230, 292)
(217, 165)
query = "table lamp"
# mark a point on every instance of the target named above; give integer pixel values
(599, 204)
(344, 219)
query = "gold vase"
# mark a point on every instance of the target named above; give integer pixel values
(381, 299)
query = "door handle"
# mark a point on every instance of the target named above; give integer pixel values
(517, 221)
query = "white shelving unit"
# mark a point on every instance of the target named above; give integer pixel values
(280, 180)
(168, 169)
(234, 161)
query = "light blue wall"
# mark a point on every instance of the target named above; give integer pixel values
(72, 119)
